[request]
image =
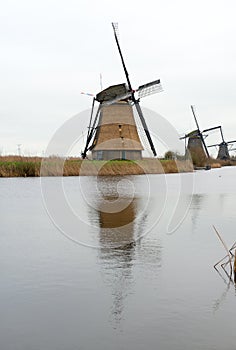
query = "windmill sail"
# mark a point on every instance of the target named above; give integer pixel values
(200, 134)
(91, 132)
(143, 90)
(149, 88)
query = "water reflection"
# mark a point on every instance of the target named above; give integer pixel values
(196, 207)
(217, 303)
(123, 219)
(117, 239)
(117, 227)
(120, 247)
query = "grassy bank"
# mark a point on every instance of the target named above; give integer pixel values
(13, 166)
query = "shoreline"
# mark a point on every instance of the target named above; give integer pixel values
(16, 166)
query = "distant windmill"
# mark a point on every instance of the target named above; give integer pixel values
(224, 147)
(196, 139)
(112, 132)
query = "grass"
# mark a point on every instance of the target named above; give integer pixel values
(14, 166)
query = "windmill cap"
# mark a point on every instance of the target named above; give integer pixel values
(112, 92)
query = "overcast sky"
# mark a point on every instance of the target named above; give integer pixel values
(53, 50)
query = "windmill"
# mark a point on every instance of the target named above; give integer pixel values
(112, 131)
(224, 147)
(196, 140)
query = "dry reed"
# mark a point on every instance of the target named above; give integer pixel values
(227, 252)
(15, 166)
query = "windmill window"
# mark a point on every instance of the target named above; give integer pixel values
(99, 155)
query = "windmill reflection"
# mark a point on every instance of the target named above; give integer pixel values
(117, 223)
(118, 237)
(121, 213)
(196, 207)
(202, 203)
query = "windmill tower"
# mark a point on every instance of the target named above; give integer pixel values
(196, 140)
(112, 132)
(224, 147)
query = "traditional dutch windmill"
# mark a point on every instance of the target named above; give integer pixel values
(224, 147)
(196, 140)
(112, 132)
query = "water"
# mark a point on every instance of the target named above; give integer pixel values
(136, 272)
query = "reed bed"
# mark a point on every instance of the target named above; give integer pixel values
(15, 166)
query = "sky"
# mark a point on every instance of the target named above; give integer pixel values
(53, 50)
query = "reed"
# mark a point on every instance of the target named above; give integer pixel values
(15, 166)
(227, 252)
(121, 167)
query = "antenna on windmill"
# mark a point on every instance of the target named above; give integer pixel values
(122, 95)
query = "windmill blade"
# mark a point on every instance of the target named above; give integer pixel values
(210, 129)
(150, 88)
(204, 145)
(140, 113)
(214, 128)
(203, 142)
(91, 116)
(183, 137)
(214, 145)
(224, 142)
(222, 136)
(115, 29)
(143, 90)
(90, 133)
(199, 132)
(195, 118)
